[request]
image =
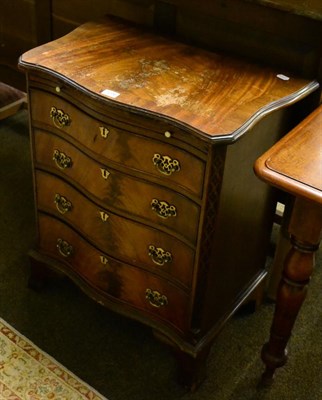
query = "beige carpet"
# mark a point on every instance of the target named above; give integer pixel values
(28, 373)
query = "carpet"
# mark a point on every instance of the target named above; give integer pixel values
(28, 373)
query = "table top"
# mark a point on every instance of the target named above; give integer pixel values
(218, 96)
(294, 164)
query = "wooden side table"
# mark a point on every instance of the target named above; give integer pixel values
(294, 165)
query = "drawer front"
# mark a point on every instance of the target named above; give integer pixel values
(118, 145)
(132, 242)
(144, 291)
(117, 189)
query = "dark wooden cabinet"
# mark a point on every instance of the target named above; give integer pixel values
(143, 150)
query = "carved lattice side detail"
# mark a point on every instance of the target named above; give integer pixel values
(213, 195)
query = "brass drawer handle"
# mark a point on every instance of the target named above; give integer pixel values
(163, 209)
(64, 248)
(155, 298)
(165, 164)
(59, 117)
(62, 160)
(63, 205)
(104, 131)
(159, 256)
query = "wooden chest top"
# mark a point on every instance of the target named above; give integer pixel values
(216, 96)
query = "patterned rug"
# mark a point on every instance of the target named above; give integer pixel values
(28, 373)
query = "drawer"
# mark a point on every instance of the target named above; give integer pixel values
(140, 153)
(121, 282)
(118, 190)
(130, 241)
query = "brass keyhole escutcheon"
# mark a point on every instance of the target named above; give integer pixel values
(105, 173)
(104, 216)
(104, 260)
(104, 131)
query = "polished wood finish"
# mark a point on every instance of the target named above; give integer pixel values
(273, 32)
(177, 132)
(295, 165)
(179, 83)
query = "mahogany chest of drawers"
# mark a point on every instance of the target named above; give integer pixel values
(142, 153)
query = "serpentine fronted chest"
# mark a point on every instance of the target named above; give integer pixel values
(142, 153)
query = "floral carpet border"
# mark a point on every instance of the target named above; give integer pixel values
(28, 373)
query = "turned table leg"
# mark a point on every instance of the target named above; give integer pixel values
(305, 230)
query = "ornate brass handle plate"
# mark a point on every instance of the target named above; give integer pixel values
(163, 209)
(165, 164)
(62, 160)
(59, 117)
(159, 256)
(63, 205)
(64, 248)
(155, 298)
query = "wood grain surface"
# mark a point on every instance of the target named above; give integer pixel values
(294, 164)
(216, 95)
